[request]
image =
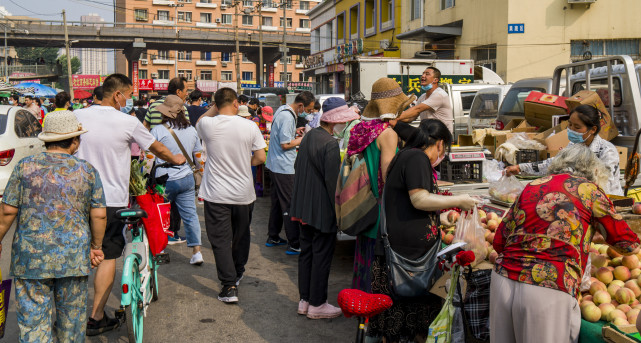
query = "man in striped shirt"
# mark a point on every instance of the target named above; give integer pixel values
(177, 87)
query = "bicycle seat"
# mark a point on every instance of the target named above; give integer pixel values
(355, 302)
(130, 213)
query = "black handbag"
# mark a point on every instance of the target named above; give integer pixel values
(408, 278)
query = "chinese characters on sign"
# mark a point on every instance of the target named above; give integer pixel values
(515, 28)
(270, 72)
(145, 84)
(134, 67)
(351, 48)
(412, 84)
(86, 82)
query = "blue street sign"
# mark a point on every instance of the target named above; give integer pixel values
(249, 86)
(515, 28)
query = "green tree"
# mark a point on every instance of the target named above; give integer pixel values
(75, 64)
(30, 55)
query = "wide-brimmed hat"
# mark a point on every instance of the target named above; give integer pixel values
(267, 113)
(387, 100)
(171, 106)
(60, 125)
(243, 111)
(335, 110)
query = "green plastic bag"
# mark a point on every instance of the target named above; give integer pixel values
(441, 328)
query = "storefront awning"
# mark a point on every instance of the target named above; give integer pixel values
(430, 32)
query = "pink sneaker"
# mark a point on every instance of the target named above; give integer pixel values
(324, 311)
(302, 307)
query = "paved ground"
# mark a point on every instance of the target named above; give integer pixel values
(188, 310)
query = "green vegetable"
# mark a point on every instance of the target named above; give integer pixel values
(137, 180)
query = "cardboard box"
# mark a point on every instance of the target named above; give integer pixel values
(623, 157)
(612, 335)
(557, 142)
(608, 129)
(541, 107)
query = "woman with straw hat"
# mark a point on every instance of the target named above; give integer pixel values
(378, 142)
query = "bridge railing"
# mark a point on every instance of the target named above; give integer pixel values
(29, 70)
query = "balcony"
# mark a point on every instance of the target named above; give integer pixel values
(163, 61)
(300, 65)
(206, 63)
(304, 12)
(163, 22)
(270, 9)
(269, 28)
(206, 25)
(163, 2)
(302, 29)
(205, 5)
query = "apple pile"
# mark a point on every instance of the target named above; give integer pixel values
(489, 221)
(615, 288)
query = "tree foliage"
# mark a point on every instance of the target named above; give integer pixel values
(75, 64)
(30, 55)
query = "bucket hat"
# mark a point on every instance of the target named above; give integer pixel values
(387, 100)
(267, 113)
(172, 105)
(60, 125)
(243, 111)
(335, 110)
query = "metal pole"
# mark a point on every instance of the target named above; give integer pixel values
(237, 59)
(260, 44)
(6, 64)
(285, 43)
(64, 18)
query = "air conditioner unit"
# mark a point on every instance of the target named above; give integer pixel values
(143, 62)
(581, 1)
(224, 64)
(154, 75)
(218, 20)
(223, 7)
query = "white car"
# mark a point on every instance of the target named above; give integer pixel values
(19, 131)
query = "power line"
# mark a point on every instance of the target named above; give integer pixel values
(28, 10)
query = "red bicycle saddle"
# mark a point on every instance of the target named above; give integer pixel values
(355, 302)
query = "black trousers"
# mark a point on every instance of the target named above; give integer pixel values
(174, 220)
(281, 196)
(228, 232)
(314, 262)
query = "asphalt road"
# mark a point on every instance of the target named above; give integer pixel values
(188, 309)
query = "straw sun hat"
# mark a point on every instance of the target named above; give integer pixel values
(60, 125)
(388, 100)
(243, 111)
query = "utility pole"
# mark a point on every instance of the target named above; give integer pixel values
(175, 6)
(284, 3)
(69, 76)
(6, 63)
(260, 44)
(237, 57)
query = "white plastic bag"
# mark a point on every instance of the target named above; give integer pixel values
(470, 231)
(492, 170)
(506, 189)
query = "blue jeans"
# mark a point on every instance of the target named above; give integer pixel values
(183, 193)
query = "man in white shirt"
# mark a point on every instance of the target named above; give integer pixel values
(228, 187)
(107, 148)
(31, 106)
(434, 103)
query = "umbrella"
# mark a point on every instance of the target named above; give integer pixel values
(81, 94)
(38, 89)
(5, 87)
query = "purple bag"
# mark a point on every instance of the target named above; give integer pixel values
(5, 292)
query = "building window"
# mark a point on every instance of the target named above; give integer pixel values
(354, 20)
(163, 15)
(289, 60)
(184, 55)
(226, 2)
(225, 76)
(205, 17)
(268, 4)
(289, 4)
(186, 73)
(186, 1)
(340, 28)
(604, 47)
(289, 77)
(245, 59)
(387, 13)
(205, 75)
(226, 19)
(447, 4)
(184, 17)
(370, 14)
(304, 5)
(415, 9)
(301, 77)
(141, 15)
(303, 23)
(143, 55)
(484, 55)
(330, 35)
(163, 54)
(289, 22)
(163, 74)
(225, 57)
(142, 73)
(205, 55)
(248, 3)
(268, 21)
(248, 76)
(248, 20)
(205, 1)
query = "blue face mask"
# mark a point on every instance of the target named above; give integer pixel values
(428, 87)
(129, 105)
(303, 114)
(576, 137)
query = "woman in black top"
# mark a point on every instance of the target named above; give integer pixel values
(412, 208)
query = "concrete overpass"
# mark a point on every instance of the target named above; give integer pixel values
(135, 38)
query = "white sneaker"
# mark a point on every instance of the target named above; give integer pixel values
(196, 259)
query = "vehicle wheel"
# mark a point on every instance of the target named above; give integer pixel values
(134, 312)
(154, 283)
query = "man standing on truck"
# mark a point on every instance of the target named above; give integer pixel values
(434, 103)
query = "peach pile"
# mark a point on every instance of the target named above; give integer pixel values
(489, 221)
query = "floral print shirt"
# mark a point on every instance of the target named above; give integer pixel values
(544, 239)
(54, 193)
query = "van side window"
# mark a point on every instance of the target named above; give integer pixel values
(600, 86)
(22, 125)
(466, 100)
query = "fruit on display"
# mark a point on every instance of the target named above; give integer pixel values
(636, 208)
(615, 288)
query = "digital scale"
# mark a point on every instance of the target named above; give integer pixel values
(466, 156)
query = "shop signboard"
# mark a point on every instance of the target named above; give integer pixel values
(270, 71)
(299, 86)
(208, 86)
(411, 84)
(161, 86)
(351, 48)
(249, 86)
(85, 82)
(145, 84)
(134, 68)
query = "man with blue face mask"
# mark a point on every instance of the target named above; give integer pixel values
(434, 103)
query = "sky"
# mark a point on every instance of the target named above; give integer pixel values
(52, 10)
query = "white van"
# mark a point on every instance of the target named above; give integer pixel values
(461, 97)
(485, 107)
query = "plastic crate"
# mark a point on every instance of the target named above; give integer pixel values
(635, 193)
(462, 171)
(527, 156)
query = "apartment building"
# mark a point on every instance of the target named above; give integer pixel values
(198, 67)
(520, 38)
(93, 61)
